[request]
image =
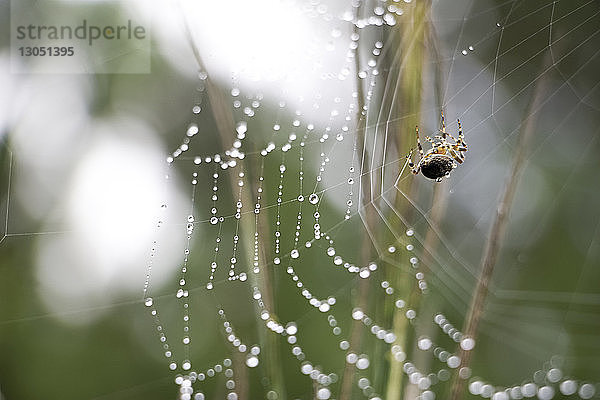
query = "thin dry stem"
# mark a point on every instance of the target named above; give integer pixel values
(363, 284)
(408, 92)
(496, 236)
(226, 127)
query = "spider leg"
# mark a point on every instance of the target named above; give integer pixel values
(443, 126)
(411, 164)
(421, 154)
(456, 153)
(413, 168)
(461, 137)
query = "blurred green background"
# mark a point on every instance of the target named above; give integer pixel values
(82, 178)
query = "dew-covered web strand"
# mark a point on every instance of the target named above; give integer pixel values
(496, 80)
(515, 131)
(8, 193)
(374, 200)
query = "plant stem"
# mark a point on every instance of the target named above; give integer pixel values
(248, 226)
(496, 236)
(413, 31)
(365, 182)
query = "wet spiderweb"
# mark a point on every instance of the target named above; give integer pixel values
(312, 201)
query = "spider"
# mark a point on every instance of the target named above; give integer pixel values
(439, 161)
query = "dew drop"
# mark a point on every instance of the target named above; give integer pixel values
(544, 393)
(306, 368)
(362, 362)
(568, 387)
(529, 389)
(500, 396)
(295, 254)
(453, 361)
(467, 343)
(313, 198)
(424, 343)
(587, 391)
(148, 302)
(251, 361)
(351, 358)
(323, 393)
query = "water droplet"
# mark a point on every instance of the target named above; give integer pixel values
(357, 314)
(568, 387)
(453, 361)
(362, 362)
(251, 361)
(148, 302)
(587, 391)
(295, 254)
(529, 389)
(313, 198)
(214, 220)
(500, 396)
(428, 395)
(351, 358)
(464, 52)
(323, 393)
(424, 343)
(468, 343)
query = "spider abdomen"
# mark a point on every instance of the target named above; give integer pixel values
(437, 166)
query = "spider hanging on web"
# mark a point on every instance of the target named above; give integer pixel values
(443, 156)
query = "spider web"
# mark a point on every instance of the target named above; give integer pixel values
(304, 205)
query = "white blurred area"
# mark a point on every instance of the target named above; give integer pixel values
(286, 50)
(89, 190)
(89, 194)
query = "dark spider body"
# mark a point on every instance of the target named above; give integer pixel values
(442, 157)
(437, 166)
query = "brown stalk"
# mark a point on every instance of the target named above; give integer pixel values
(498, 229)
(363, 284)
(269, 345)
(413, 31)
